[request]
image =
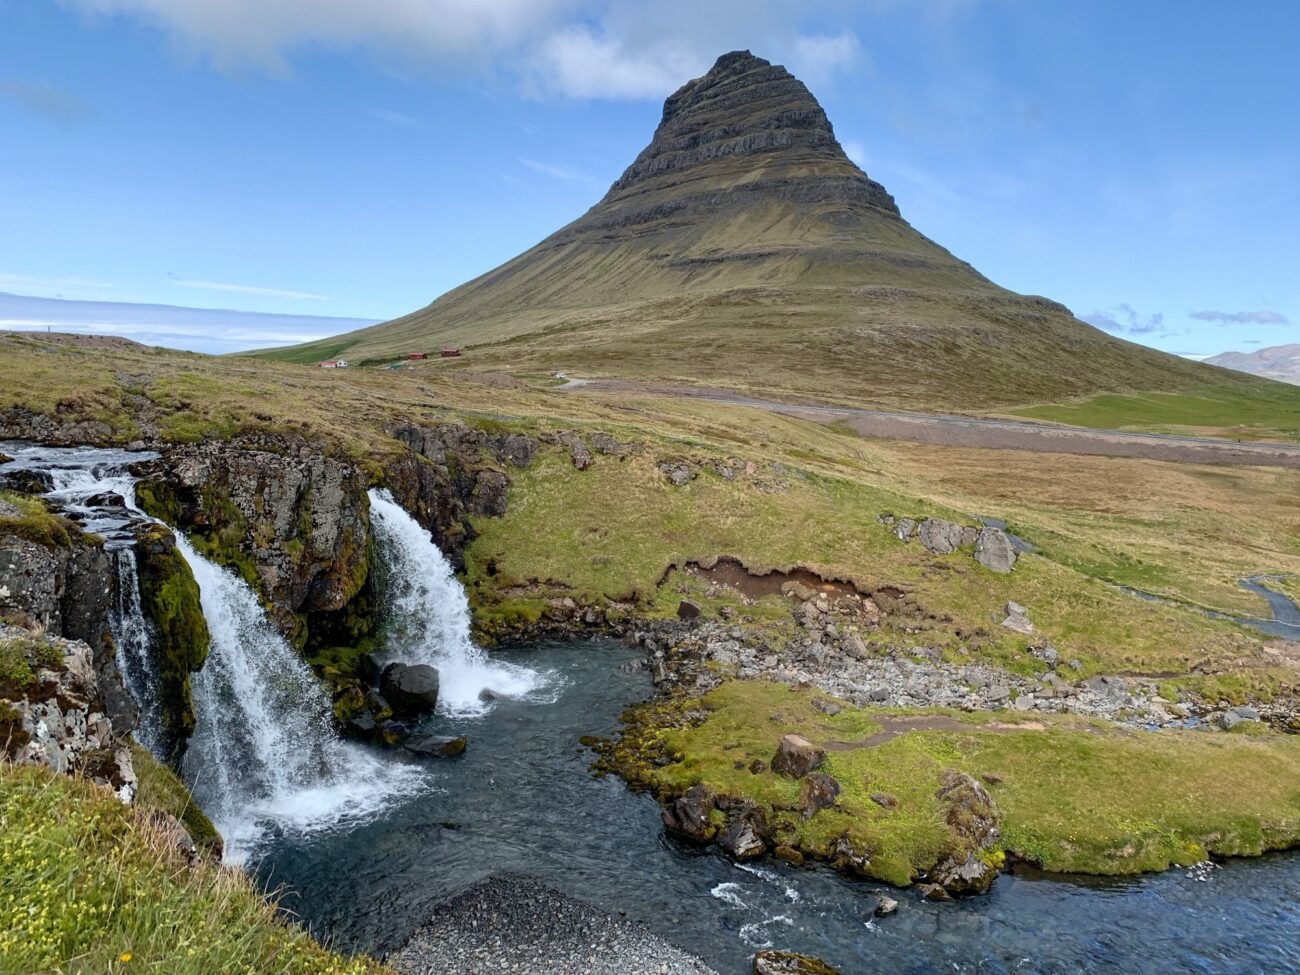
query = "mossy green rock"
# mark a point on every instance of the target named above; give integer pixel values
(169, 597)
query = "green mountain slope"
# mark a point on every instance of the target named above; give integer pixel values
(743, 248)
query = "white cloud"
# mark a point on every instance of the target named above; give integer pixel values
(579, 63)
(816, 58)
(251, 289)
(567, 48)
(559, 172)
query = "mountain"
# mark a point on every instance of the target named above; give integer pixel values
(172, 326)
(743, 248)
(1280, 362)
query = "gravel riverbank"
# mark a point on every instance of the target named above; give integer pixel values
(513, 923)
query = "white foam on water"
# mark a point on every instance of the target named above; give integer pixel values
(768, 876)
(427, 619)
(729, 893)
(264, 753)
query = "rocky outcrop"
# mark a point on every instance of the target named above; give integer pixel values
(941, 537)
(280, 512)
(67, 590)
(52, 714)
(20, 424)
(972, 820)
(454, 471)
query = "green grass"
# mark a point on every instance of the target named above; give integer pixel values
(1074, 795)
(87, 886)
(160, 788)
(21, 658)
(36, 523)
(1261, 413)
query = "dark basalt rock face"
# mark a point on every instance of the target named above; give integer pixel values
(744, 107)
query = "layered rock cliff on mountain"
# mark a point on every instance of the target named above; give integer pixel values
(744, 248)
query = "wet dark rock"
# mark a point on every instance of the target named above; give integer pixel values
(795, 757)
(767, 962)
(435, 746)
(739, 839)
(409, 689)
(788, 854)
(885, 906)
(688, 815)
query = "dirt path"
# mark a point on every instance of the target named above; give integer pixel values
(960, 431)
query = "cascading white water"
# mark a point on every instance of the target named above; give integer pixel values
(264, 748)
(427, 616)
(133, 636)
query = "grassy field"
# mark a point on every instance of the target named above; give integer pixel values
(1074, 795)
(91, 887)
(1259, 413)
(1185, 532)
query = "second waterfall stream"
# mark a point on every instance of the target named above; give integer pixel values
(265, 752)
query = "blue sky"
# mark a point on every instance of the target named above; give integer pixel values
(1138, 161)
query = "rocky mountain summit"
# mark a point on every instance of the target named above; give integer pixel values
(745, 230)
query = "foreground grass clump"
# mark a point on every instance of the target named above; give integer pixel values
(33, 521)
(88, 886)
(1075, 795)
(160, 788)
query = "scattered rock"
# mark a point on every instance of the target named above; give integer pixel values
(795, 757)
(941, 537)
(994, 550)
(687, 610)
(885, 800)
(972, 821)
(903, 530)
(817, 792)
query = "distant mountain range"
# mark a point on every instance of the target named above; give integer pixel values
(194, 329)
(743, 248)
(1280, 362)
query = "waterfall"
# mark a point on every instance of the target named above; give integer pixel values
(264, 749)
(427, 620)
(133, 636)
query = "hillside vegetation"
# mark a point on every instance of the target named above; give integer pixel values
(742, 248)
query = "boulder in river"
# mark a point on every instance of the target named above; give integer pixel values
(409, 689)
(795, 757)
(739, 840)
(435, 746)
(689, 815)
(767, 962)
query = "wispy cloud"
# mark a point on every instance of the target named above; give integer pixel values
(33, 282)
(396, 118)
(1124, 320)
(1264, 317)
(607, 49)
(42, 99)
(816, 57)
(546, 169)
(251, 289)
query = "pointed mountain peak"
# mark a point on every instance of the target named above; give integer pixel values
(752, 124)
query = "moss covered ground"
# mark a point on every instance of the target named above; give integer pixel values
(34, 522)
(89, 887)
(1074, 794)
